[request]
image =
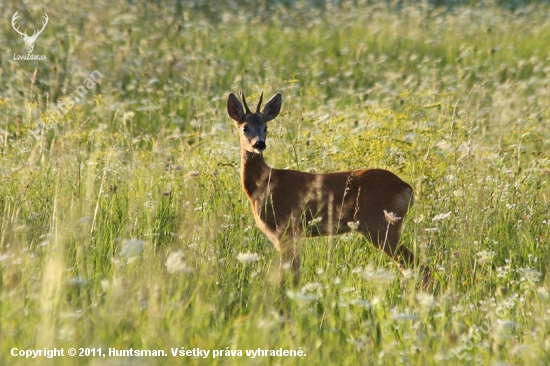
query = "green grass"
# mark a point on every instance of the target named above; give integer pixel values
(121, 226)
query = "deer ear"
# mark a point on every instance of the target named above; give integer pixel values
(272, 108)
(234, 108)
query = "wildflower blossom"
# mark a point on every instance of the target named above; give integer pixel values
(402, 317)
(175, 263)
(298, 296)
(390, 217)
(353, 225)
(529, 275)
(315, 221)
(442, 216)
(485, 256)
(425, 300)
(310, 286)
(248, 257)
(131, 248)
(378, 276)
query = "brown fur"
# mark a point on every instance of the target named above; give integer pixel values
(289, 204)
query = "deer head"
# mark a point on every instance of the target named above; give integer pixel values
(29, 41)
(253, 125)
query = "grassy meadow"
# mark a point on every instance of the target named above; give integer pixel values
(123, 223)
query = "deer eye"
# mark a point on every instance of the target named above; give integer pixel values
(245, 129)
(265, 129)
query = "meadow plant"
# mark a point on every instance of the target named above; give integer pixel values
(126, 227)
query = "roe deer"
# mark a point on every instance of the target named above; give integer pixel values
(289, 204)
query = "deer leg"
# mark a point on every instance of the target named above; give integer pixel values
(386, 237)
(290, 259)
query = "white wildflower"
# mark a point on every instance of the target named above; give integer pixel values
(248, 257)
(442, 216)
(419, 219)
(298, 296)
(359, 343)
(77, 281)
(353, 225)
(506, 325)
(118, 286)
(4, 257)
(315, 221)
(510, 302)
(150, 204)
(127, 116)
(310, 286)
(402, 317)
(175, 263)
(432, 229)
(378, 276)
(390, 217)
(543, 293)
(131, 248)
(66, 333)
(407, 273)
(286, 266)
(360, 302)
(485, 256)
(425, 300)
(529, 275)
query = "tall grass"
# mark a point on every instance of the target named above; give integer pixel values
(122, 224)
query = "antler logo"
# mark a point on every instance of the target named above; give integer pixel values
(29, 41)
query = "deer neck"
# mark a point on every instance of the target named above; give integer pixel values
(255, 174)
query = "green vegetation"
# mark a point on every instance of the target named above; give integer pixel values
(123, 224)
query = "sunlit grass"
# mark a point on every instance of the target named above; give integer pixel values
(125, 225)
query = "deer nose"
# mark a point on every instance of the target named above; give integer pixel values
(260, 145)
